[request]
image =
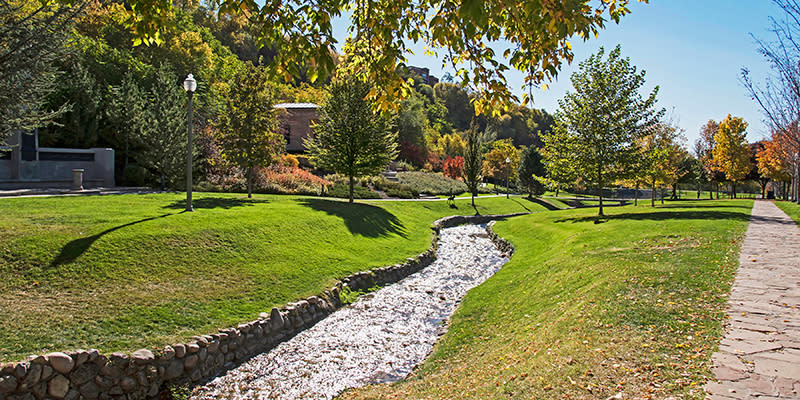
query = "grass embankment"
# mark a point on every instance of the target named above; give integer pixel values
(124, 272)
(791, 209)
(634, 305)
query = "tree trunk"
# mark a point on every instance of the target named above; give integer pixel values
(250, 183)
(675, 192)
(661, 191)
(733, 189)
(711, 191)
(163, 184)
(352, 183)
(473, 199)
(600, 187)
(717, 189)
(653, 193)
(636, 196)
(698, 190)
(796, 179)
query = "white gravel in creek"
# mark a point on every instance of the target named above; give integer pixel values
(379, 338)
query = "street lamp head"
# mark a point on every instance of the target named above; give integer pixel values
(508, 160)
(189, 84)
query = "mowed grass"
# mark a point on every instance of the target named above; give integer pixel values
(634, 305)
(131, 271)
(791, 209)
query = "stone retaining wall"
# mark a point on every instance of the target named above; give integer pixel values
(87, 374)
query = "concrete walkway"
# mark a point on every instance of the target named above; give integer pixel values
(759, 358)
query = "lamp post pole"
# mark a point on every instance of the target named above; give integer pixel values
(189, 84)
(508, 167)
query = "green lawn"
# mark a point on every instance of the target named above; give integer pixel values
(124, 272)
(791, 209)
(633, 305)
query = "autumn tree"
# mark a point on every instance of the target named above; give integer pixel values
(538, 33)
(495, 165)
(531, 172)
(731, 153)
(248, 125)
(454, 167)
(774, 161)
(473, 162)
(605, 117)
(350, 137)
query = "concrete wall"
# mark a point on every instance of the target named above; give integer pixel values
(43, 171)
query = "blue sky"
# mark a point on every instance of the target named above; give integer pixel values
(692, 49)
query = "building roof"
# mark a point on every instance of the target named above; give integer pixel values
(295, 105)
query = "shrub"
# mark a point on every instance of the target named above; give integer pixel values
(394, 189)
(290, 160)
(431, 183)
(404, 166)
(343, 192)
(287, 180)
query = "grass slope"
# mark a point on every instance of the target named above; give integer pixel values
(124, 272)
(791, 209)
(634, 305)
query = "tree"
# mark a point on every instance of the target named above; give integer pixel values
(165, 132)
(755, 173)
(248, 123)
(32, 41)
(654, 159)
(774, 161)
(127, 112)
(494, 163)
(604, 118)
(454, 167)
(779, 95)
(350, 138)
(531, 172)
(556, 155)
(731, 154)
(473, 158)
(704, 151)
(537, 31)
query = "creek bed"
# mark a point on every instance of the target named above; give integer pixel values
(379, 338)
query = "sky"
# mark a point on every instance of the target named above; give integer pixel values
(693, 50)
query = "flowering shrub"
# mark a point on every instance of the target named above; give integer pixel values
(288, 180)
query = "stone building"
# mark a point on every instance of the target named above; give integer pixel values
(296, 124)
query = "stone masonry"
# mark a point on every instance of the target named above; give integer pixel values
(760, 354)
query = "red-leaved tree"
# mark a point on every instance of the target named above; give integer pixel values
(454, 167)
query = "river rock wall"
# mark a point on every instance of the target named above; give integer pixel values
(88, 374)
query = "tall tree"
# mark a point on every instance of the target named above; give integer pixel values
(531, 172)
(775, 161)
(248, 124)
(33, 39)
(731, 153)
(605, 116)
(165, 132)
(350, 137)
(127, 113)
(557, 158)
(704, 151)
(657, 148)
(473, 162)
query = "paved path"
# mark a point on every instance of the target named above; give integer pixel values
(759, 358)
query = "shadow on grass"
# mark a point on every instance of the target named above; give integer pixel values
(215, 202)
(664, 215)
(360, 219)
(549, 206)
(75, 248)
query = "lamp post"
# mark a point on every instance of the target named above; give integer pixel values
(189, 85)
(508, 167)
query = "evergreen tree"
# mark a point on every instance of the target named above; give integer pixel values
(531, 172)
(164, 134)
(473, 161)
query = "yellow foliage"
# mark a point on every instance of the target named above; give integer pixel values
(731, 153)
